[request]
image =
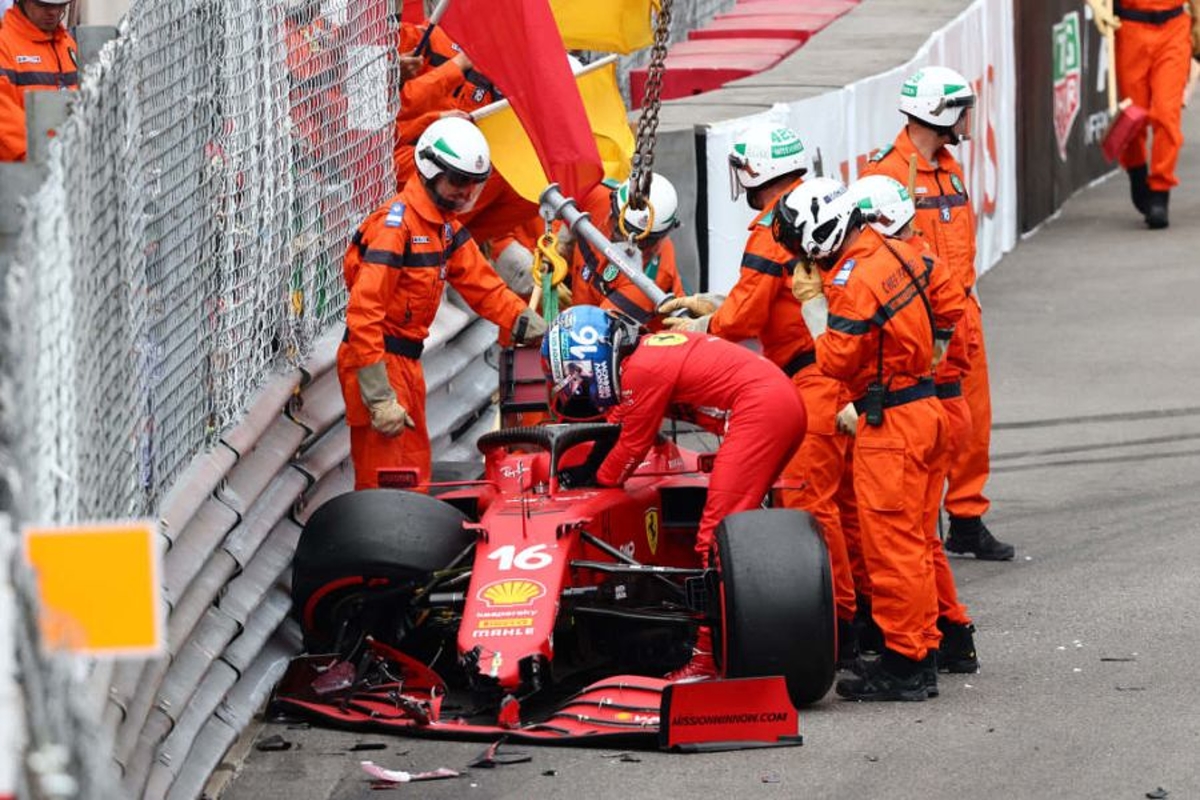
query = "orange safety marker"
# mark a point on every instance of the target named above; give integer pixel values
(99, 587)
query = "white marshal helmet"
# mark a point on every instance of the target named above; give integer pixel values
(454, 147)
(813, 219)
(762, 153)
(884, 202)
(660, 216)
(937, 96)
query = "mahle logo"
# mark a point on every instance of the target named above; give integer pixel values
(1067, 79)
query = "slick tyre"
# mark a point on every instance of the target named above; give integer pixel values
(360, 557)
(777, 612)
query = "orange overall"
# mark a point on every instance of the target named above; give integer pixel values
(946, 221)
(761, 305)
(396, 268)
(1154, 50)
(595, 282)
(881, 331)
(442, 86)
(948, 385)
(30, 61)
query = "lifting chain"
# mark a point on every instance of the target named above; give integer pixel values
(643, 154)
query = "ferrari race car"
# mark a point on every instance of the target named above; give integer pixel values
(519, 604)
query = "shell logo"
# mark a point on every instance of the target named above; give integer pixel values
(519, 592)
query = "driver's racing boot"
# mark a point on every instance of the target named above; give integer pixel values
(701, 667)
(970, 535)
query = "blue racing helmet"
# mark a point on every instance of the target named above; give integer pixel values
(581, 356)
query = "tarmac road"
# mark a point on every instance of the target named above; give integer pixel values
(1089, 640)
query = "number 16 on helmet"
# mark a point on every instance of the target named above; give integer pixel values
(581, 355)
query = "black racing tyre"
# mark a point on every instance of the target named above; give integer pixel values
(359, 557)
(777, 611)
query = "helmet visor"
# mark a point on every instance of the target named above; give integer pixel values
(457, 177)
(739, 165)
(784, 228)
(572, 397)
(965, 126)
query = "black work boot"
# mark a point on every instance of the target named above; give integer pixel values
(970, 535)
(1139, 192)
(890, 677)
(1156, 210)
(929, 668)
(868, 637)
(847, 644)
(957, 651)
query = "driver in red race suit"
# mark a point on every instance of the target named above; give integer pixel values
(721, 386)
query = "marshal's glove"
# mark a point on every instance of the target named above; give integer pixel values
(847, 419)
(806, 283)
(697, 305)
(388, 417)
(698, 325)
(529, 326)
(940, 346)
(1106, 21)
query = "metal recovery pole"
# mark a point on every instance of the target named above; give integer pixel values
(625, 257)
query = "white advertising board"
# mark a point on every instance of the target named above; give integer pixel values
(847, 125)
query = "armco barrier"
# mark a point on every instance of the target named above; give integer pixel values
(843, 126)
(231, 522)
(230, 526)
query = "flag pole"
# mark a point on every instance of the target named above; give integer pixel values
(500, 105)
(434, 17)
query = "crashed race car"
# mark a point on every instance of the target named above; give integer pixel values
(512, 586)
(525, 604)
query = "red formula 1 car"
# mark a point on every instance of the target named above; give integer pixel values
(513, 604)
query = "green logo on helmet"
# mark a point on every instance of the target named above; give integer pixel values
(784, 143)
(910, 85)
(440, 144)
(951, 88)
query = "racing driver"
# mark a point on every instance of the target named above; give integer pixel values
(720, 386)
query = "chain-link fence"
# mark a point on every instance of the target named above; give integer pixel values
(188, 240)
(185, 246)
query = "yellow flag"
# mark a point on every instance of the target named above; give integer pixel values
(608, 26)
(513, 154)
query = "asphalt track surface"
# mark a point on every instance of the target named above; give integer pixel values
(1089, 640)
